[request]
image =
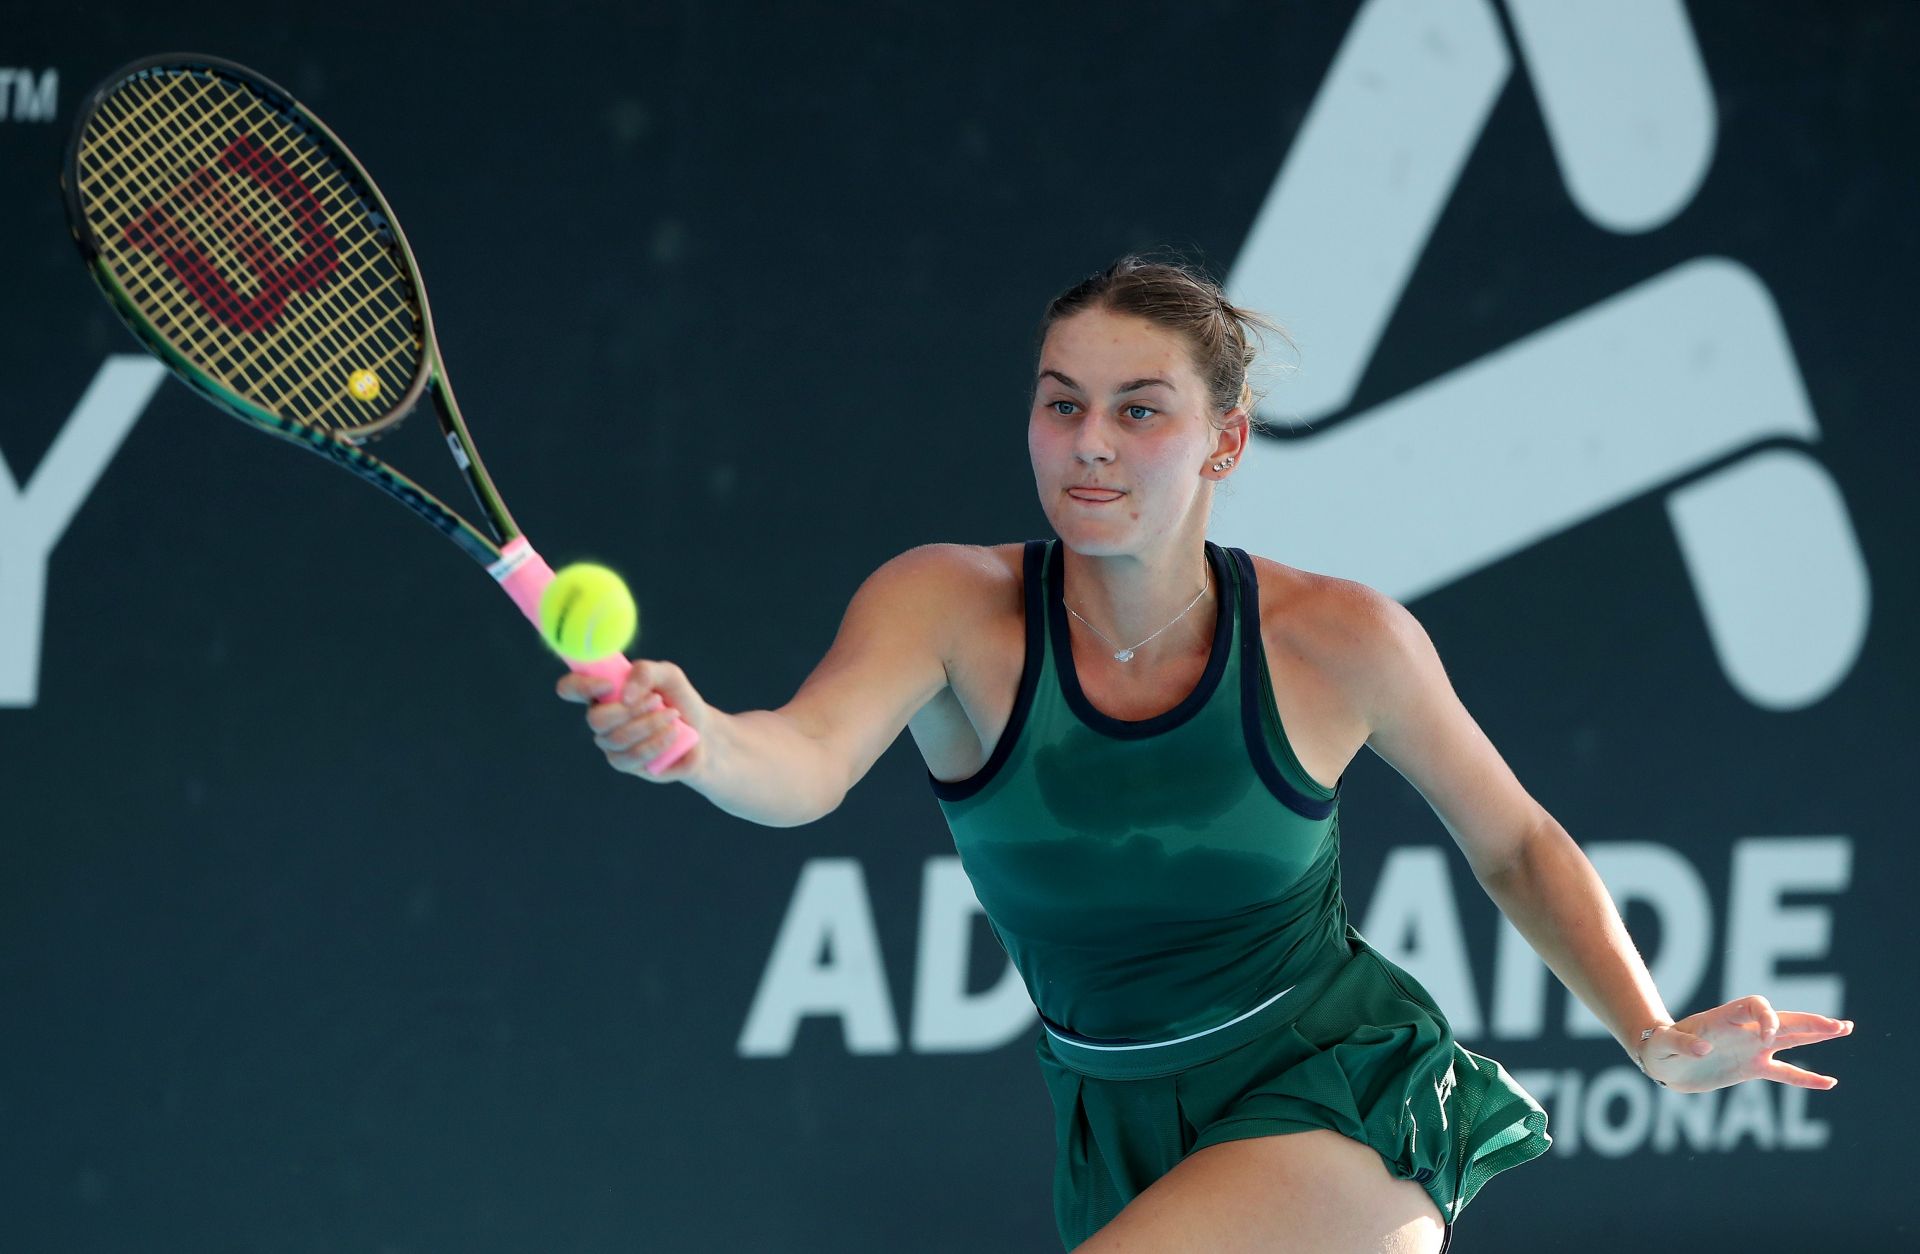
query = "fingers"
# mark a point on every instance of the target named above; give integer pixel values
(633, 731)
(623, 727)
(1797, 1028)
(610, 707)
(657, 676)
(610, 714)
(1674, 1042)
(1787, 1028)
(582, 689)
(1787, 1073)
(633, 721)
(648, 745)
(1762, 1013)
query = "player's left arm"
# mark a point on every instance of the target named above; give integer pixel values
(1522, 857)
(1538, 876)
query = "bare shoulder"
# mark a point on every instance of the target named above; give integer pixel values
(953, 573)
(1312, 603)
(908, 631)
(952, 585)
(1341, 626)
(957, 561)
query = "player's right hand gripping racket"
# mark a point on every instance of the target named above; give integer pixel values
(251, 253)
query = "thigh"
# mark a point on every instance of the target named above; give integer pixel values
(1302, 1193)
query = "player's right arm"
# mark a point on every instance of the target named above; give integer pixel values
(789, 766)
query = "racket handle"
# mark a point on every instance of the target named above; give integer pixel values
(524, 574)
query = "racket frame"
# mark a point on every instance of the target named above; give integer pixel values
(521, 572)
(342, 449)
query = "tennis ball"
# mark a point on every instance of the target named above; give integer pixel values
(364, 384)
(587, 614)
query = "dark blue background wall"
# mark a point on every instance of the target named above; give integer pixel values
(322, 925)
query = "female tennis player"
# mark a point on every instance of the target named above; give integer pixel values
(1139, 740)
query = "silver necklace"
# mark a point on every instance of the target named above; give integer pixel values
(1126, 655)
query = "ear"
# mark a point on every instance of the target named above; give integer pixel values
(1231, 440)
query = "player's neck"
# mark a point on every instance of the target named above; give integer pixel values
(1130, 598)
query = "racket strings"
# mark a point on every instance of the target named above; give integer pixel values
(250, 247)
(356, 317)
(244, 366)
(346, 327)
(190, 154)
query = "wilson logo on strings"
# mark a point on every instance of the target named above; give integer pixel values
(172, 227)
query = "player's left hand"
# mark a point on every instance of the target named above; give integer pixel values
(1737, 1042)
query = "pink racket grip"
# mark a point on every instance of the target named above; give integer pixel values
(525, 575)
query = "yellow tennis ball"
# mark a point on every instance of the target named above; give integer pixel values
(587, 614)
(364, 384)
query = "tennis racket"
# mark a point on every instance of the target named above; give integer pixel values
(250, 252)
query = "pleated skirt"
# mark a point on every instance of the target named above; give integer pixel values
(1359, 1048)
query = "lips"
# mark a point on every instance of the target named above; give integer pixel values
(1094, 494)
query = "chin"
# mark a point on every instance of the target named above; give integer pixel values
(1093, 540)
(1095, 548)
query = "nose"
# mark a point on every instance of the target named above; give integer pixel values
(1091, 442)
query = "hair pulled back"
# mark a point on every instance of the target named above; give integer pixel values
(1224, 339)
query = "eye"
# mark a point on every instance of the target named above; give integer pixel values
(1145, 412)
(1055, 407)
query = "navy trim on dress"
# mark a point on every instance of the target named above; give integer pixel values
(1136, 729)
(961, 789)
(1253, 655)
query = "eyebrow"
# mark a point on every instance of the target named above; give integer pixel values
(1133, 386)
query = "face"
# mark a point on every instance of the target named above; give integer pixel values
(1119, 405)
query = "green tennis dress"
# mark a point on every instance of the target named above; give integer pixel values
(1169, 890)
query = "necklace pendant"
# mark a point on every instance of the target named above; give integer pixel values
(1125, 655)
